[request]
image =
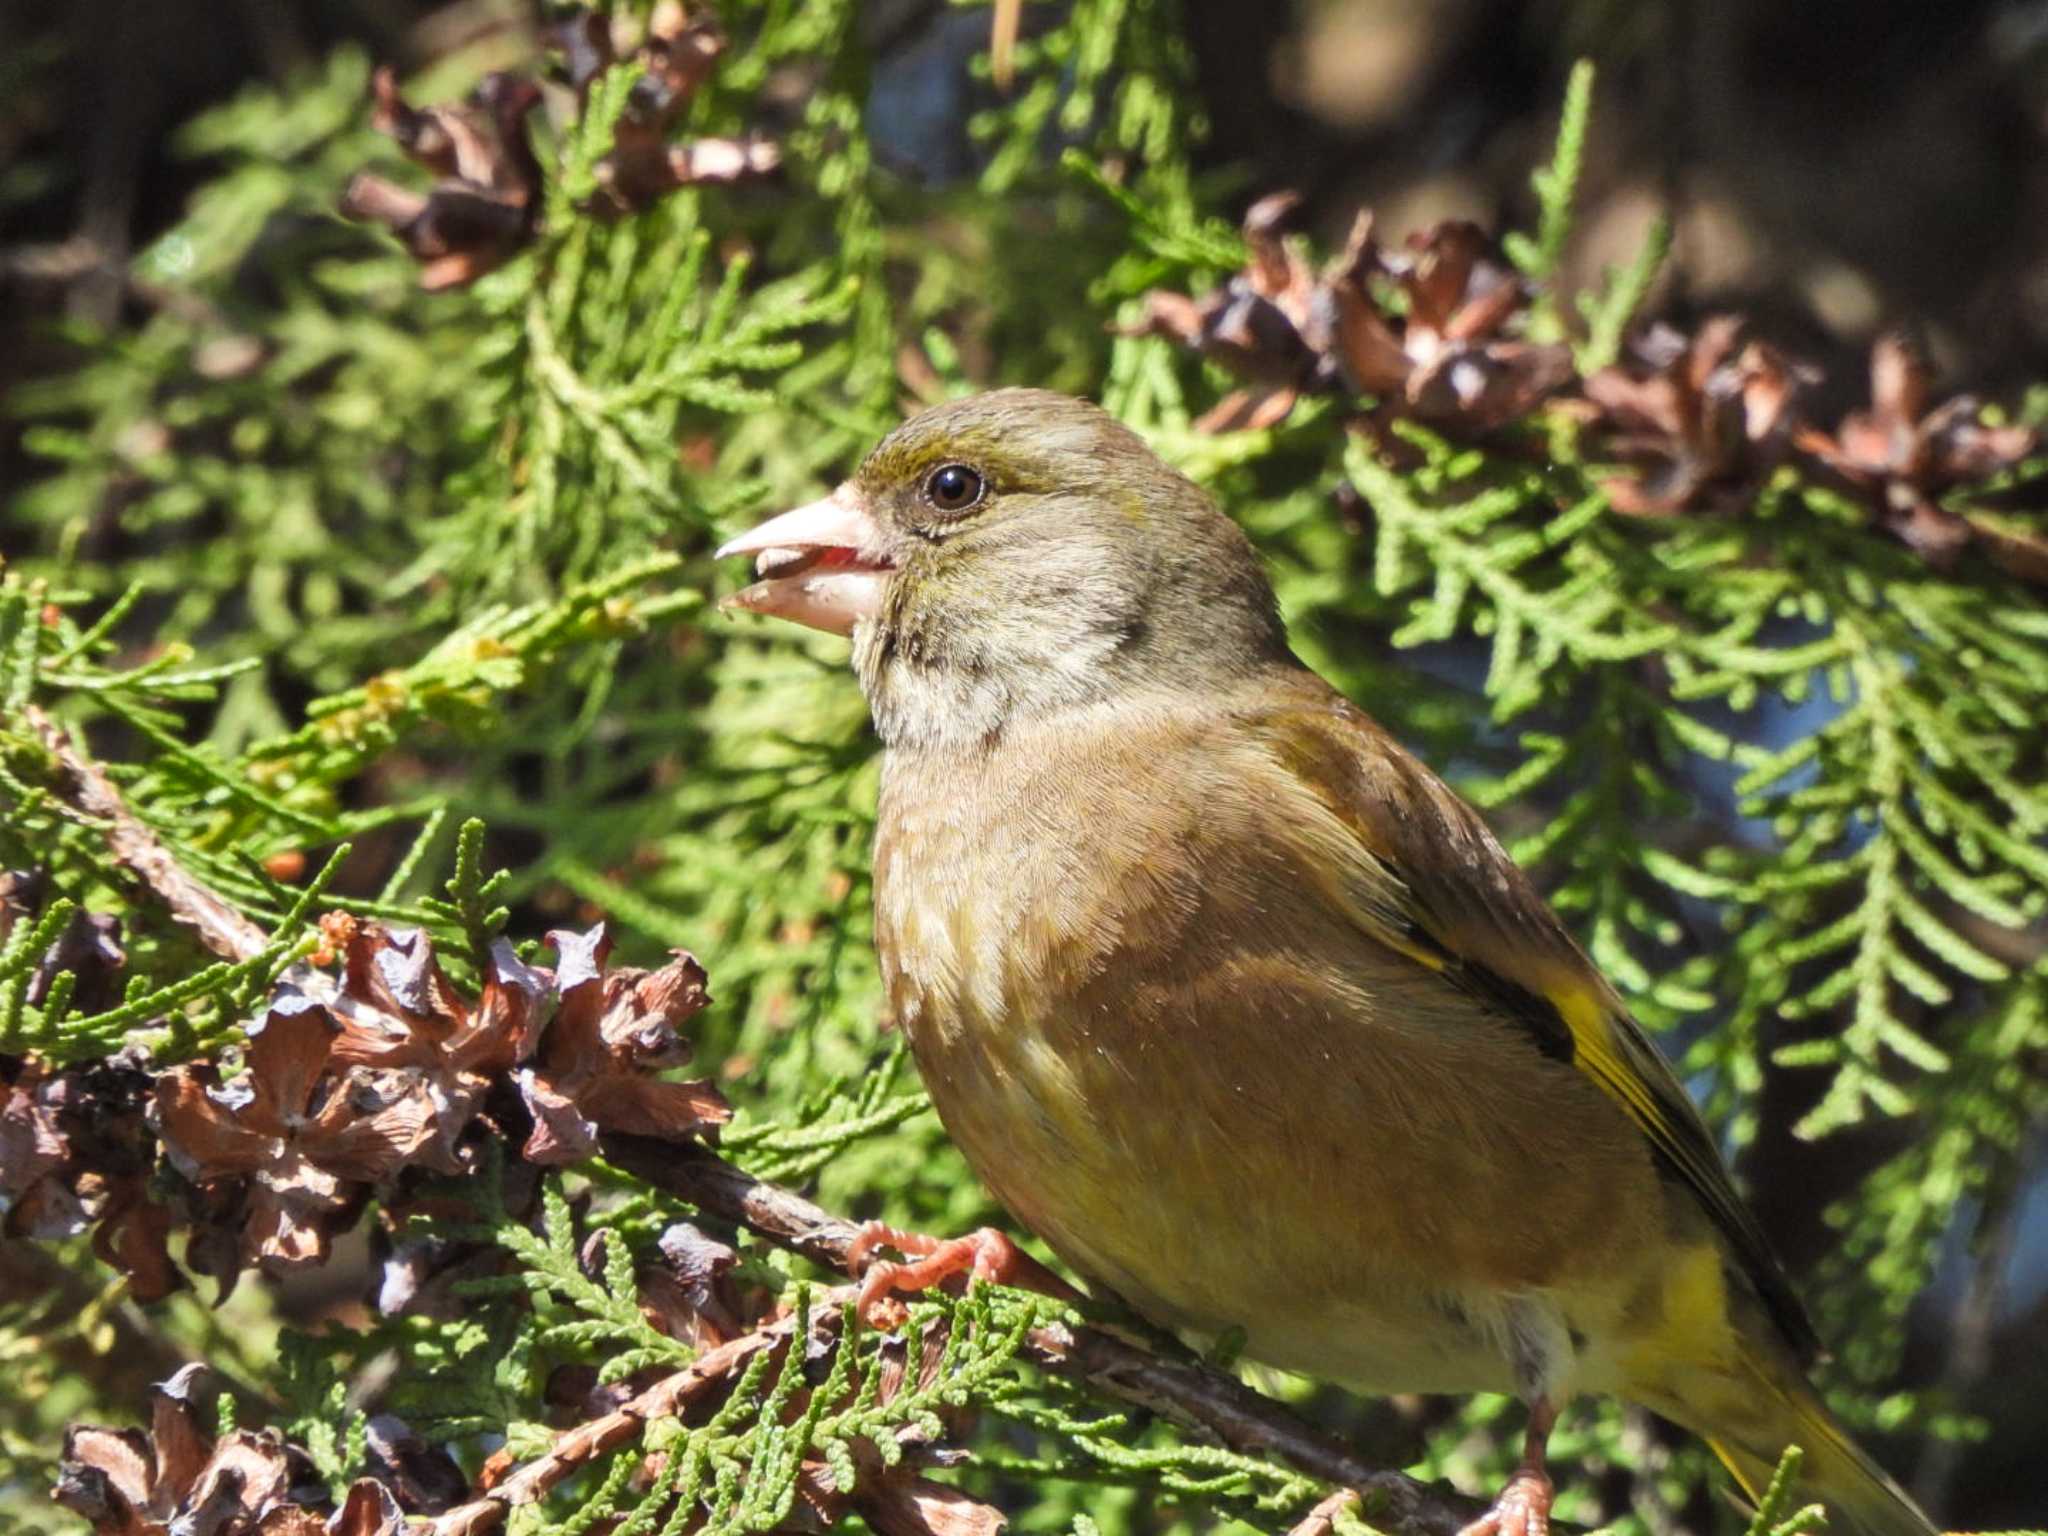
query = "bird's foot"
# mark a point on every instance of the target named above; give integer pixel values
(1322, 1520)
(1523, 1508)
(985, 1254)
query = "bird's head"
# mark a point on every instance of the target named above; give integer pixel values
(1011, 555)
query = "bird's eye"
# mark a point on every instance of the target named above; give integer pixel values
(954, 487)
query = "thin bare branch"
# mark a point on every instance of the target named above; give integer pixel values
(136, 848)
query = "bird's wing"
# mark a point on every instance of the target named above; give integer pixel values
(1426, 877)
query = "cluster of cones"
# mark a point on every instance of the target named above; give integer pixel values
(1437, 331)
(363, 1084)
(182, 1474)
(485, 201)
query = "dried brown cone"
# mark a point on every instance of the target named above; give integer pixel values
(178, 1477)
(584, 40)
(482, 208)
(76, 1152)
(594, 1069)
(422, 1475)
(347, 1083)
(691, 1294)
(1450, 358)
(1263, 326)
(1904, 457)
(680, 52)
(412, 1017)
(33, 1153)
(1697, 422)
(302, 1139)
(390, 1072)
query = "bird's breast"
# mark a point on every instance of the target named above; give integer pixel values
(1009, 937)
(1033, 916)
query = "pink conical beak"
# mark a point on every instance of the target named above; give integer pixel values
(823, 565)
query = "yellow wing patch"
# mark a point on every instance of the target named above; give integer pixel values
(1692, 1326)
(1611, 1050)
(1599, 1054)
(1585, 1015)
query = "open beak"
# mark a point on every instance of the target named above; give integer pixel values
(823, 565)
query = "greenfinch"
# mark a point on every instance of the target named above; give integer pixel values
(1236, 1004)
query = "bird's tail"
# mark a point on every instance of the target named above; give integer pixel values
(1773, 1406)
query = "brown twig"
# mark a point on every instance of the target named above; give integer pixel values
(576, 1448)
(88, 792)
(135, 847)
(1190, 1393)
(1005, 22)
(1322, 1520)
(899, 1505)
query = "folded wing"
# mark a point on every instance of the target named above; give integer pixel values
(1424, 876)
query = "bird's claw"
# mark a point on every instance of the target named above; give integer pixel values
(1523, 1508)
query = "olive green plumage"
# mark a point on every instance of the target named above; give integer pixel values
(1236, 1004)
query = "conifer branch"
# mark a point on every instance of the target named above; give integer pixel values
(219, 925)
(1183, 1389)
(577, 1448)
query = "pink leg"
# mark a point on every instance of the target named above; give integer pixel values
(1523, 1508)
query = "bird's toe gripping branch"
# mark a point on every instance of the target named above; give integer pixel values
(1523, 1508)
(985, 1254)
